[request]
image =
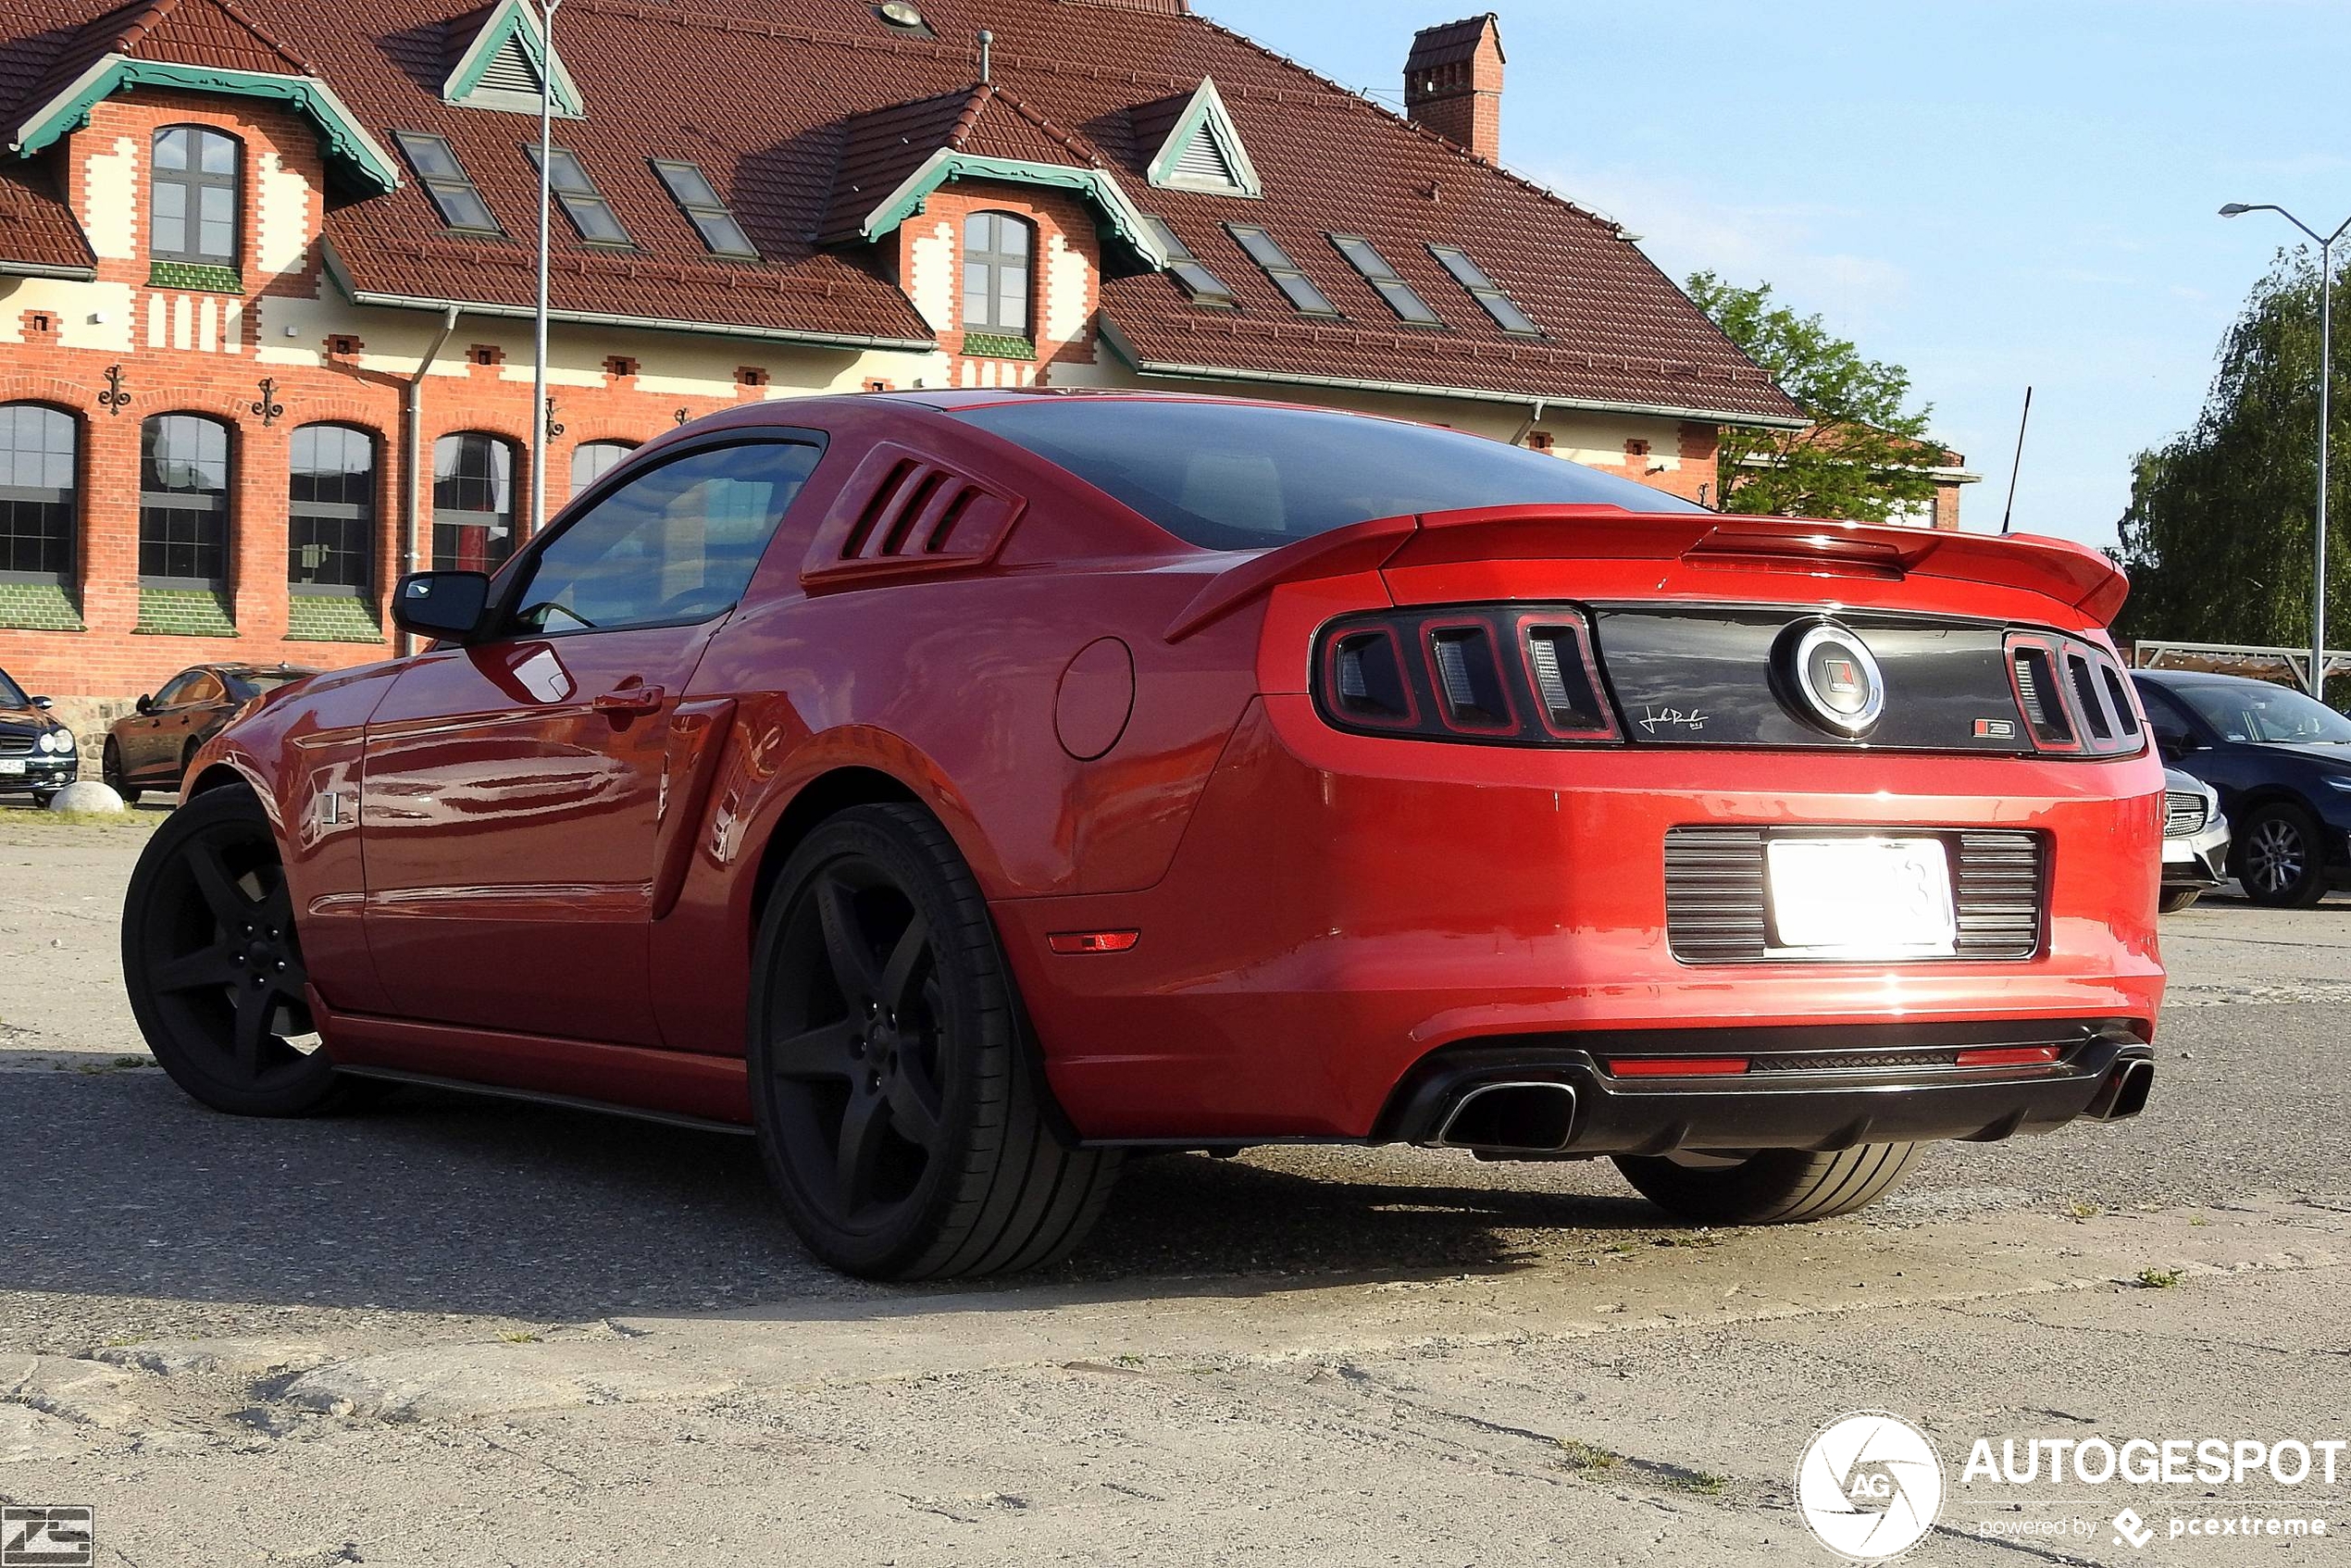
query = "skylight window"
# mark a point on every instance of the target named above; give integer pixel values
(1486, 291)
(446, 181)
(699, 201)
(1287, 274)
(578, 196)
(1205, 286)
(1385, 279)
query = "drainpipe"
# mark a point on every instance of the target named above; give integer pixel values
(1534, 417)
(412, 399)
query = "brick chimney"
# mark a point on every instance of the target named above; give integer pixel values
(1453, 83)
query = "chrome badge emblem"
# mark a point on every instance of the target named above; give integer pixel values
(1832, 673)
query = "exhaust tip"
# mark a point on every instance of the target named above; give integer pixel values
(2125, 1091)
(1531, 1118)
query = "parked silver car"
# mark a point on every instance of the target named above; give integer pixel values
(2196, 839)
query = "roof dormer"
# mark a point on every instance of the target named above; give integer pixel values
(506, 64)
(1202, 149)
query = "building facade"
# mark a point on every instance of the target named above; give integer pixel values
(267, 271)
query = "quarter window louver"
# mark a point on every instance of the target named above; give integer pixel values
(1486, 291)
(691, 189)
(1384, 280)
(1287, 275)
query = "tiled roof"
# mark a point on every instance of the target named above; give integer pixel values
(37, 229)
(784, 105)
(1448, 45)
(881, 148)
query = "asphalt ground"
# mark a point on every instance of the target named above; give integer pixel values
(454, 1330)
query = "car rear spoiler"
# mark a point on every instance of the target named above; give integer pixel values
(2072, 575)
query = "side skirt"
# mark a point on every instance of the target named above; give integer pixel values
(680, 1087)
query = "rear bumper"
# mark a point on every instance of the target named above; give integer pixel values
(1875, 1084)
(1341, 907)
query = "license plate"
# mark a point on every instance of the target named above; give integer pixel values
(1861, 898)
(10, 765)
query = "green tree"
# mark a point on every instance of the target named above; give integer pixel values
(1861, 458)
(2219, 538)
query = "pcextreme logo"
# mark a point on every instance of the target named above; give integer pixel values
(1869, 1486)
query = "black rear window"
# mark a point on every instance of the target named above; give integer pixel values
(1246, 476)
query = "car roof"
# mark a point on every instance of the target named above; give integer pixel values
(2201, 677)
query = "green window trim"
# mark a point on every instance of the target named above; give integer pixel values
(184, 612)
(998, 346)
(196, 275)
(351, 153)
(331, 617)
(38, 606)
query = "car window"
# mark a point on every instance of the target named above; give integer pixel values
(202, 686)
(174, 690)
(2255, 710)
(251, 685)
(1237, 476)
(2165, 717)
(11, 694)
(675, 545)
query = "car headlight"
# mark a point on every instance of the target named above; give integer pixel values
(48, 741)
(64, 738)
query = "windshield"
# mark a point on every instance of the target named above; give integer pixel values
(1237, 476)
(11, 694)
(258, 681)
(2256, 711)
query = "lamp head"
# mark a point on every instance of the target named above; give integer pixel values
(2235, 209)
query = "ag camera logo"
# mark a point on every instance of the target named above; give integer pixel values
(1869, 1486)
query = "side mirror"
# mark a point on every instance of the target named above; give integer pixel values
(146, 703)
(444, 606)
(2175, 747)
(43, 704)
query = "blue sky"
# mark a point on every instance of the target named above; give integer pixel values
(1989, 193)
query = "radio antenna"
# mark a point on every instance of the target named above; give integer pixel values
(2018, 463)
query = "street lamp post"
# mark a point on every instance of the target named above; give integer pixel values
(2326, 378)
(547, 9)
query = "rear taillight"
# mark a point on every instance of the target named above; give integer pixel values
(1504, 673)
(2073, 696)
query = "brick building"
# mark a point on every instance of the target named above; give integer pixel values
(266, 266)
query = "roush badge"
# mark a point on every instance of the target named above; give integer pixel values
(1830, 677)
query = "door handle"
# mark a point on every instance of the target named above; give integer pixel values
(630, 701)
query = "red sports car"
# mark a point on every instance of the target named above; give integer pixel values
(964, 789)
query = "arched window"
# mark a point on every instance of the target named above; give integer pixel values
(331, 510)
(997, 248)
(37, 488)
(194, 187)
(183, 502)
(591, 460)
(473, 501)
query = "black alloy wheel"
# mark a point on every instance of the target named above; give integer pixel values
(212, 959)
(897, 1113)
(2279, 860)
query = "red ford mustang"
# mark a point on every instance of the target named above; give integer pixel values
(963, 790)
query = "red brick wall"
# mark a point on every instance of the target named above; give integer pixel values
(111, 658)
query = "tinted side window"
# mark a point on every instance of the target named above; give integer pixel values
(176, 689)
(202, 687)
(677, 544)
(2164, 717)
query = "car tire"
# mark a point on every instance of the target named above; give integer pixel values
(2279, 858)
(110, 770)
(1769, 1186)
(2174, 900)
(213, 964)
(40, 798)
(882, 1011)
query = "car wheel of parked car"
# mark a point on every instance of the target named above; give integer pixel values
(1768, 1186)
(111, 769)
(2177, 899)
(897, 1111)
(2278, 857)
(214, 966)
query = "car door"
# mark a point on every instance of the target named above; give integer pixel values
(148, 743)
(513, 786)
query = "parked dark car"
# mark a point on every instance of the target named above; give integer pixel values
(149, 750)
(2282, 762)
(36, 751)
